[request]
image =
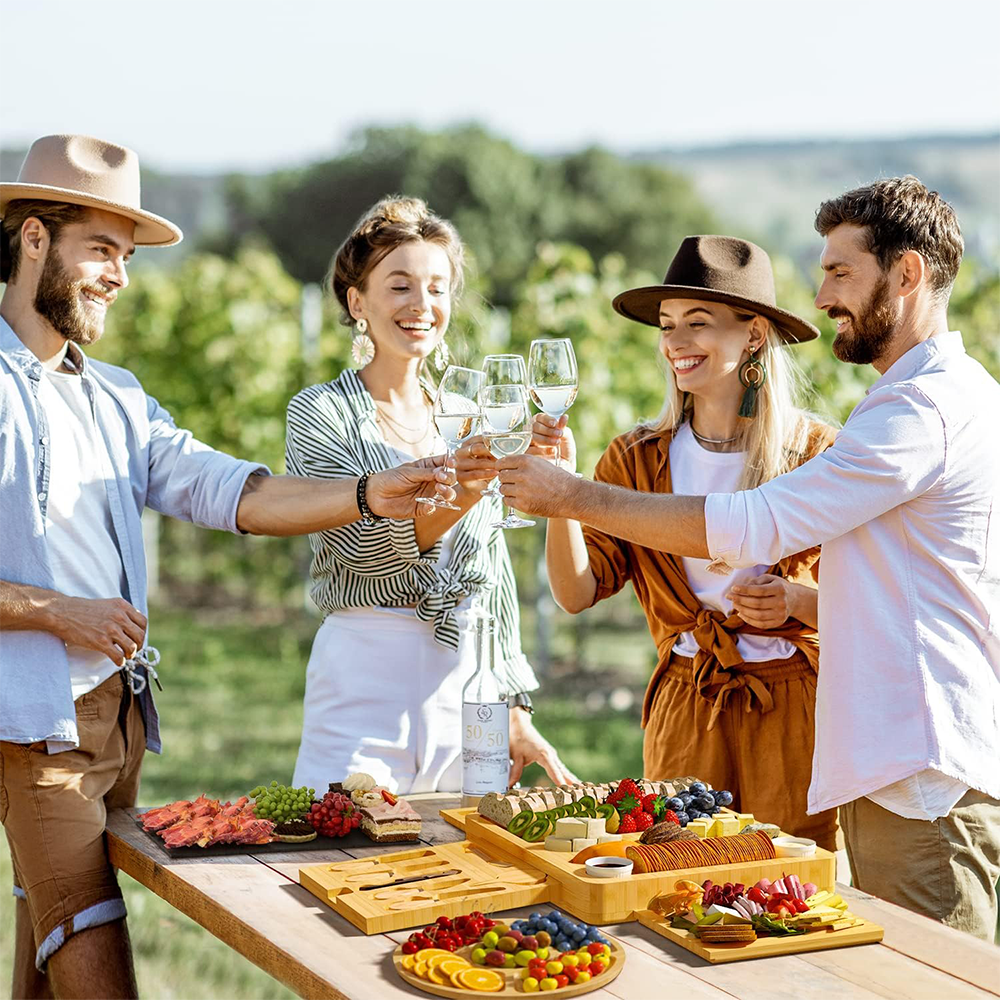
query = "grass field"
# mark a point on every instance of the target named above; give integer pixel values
(231, 714)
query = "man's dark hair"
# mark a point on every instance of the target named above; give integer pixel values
(52, 214)
(899, 214)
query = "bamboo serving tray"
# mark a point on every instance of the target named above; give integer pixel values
(511, 975)
(763, 947)
(613, 900)
(479, 884)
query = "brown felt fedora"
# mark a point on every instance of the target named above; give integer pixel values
(717, 269)
(80, 170)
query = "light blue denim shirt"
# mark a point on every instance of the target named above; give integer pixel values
(149, 462)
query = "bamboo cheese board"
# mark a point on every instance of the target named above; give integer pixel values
(763, 947)
(610, 901)
(407, 888)
(511, 977)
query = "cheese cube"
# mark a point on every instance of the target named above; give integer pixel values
(700, 826)
(726, 826)
(744, 818)
(582, 843)
(606, 837)
(570, 827)
(596, 827)
(558, 844)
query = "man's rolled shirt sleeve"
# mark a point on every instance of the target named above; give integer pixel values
(892, 448)
(191, 481)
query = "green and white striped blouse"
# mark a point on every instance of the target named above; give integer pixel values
(332, 434)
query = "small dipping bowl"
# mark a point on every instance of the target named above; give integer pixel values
(794, 847)
(609, 867)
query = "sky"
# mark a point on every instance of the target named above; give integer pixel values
(209, 85)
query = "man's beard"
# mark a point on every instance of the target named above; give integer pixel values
(57, 299)
(872, 329)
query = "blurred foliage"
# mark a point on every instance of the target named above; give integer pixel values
(501, 199)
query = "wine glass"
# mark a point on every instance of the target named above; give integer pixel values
(502, 369)
(456, 414)
(552, 376)
(506, 423)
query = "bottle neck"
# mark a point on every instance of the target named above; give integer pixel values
(485, 684)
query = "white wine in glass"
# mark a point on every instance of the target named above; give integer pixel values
(506, 424)
(502, 369)
(552, 375)
(456, 415)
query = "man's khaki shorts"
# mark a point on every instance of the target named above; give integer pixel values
(54, 807)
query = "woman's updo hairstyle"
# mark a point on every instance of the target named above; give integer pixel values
(388, 224)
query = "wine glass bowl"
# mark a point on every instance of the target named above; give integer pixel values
(553, 378)
(502, 369)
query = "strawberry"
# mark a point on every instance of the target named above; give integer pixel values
(389, 797)
(628, 787)
(627, 824)
(669, 816)
(627, 804)
(648, 802)
(643, 821)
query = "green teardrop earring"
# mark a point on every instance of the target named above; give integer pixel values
(753, 375)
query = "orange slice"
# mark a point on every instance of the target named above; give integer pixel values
(425, 953)
(408, 961)
(420, 969)
(456, 964)
(481, 980)
(435, 960)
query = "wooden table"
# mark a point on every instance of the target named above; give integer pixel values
(255, 905)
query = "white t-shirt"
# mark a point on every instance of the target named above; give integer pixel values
(695, 471)
(81, 541)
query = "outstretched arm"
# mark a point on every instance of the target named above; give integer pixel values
(297, 505)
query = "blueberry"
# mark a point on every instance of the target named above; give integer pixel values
(563, 945)
(675, 803)
(725, 798)
(554, 915)
(534, 917)
(686, 799)
(705, 802)
(697, 787)
(591, 929)
(579, 934)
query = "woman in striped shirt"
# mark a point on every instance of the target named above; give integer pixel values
(385, 677)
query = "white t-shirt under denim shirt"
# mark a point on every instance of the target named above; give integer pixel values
(695, 471)
(906, 504)
(82, 547)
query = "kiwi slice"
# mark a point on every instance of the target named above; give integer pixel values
(520, 822)
(537, 829)
(605, 810)
(588, 801)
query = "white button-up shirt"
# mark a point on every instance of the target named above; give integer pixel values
(906, 504)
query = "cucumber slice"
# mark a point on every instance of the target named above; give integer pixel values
(520, 822)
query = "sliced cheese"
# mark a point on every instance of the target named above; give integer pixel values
(558, 844)
(582, 843)
(744, 819)
(700, 826)
(570, 827)
(596, 827)
(726, 826)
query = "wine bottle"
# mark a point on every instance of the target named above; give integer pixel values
(485, 722)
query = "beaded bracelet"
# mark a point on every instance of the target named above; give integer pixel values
(367, 517)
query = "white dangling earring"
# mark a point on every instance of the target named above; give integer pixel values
(362, 346)
(441, 355)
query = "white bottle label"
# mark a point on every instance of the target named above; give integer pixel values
(485, 751)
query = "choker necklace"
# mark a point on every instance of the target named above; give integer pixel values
(708, 440)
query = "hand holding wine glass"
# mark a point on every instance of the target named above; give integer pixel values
(502, 369)
(552, 438)
(456, 414)
(506, 423)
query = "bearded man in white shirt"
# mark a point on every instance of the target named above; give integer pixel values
(906, 504)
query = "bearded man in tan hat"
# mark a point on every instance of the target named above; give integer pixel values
(905, 504)
(83, 450)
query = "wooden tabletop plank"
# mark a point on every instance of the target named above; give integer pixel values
(928, 942)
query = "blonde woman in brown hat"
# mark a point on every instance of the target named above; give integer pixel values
(732, 697)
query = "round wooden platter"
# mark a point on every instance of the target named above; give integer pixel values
(513, 977)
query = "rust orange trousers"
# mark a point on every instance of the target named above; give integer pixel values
(754, 737)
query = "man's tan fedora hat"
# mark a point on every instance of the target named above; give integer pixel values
(717, 269)
(80, 170)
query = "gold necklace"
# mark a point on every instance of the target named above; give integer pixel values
(380, 415)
